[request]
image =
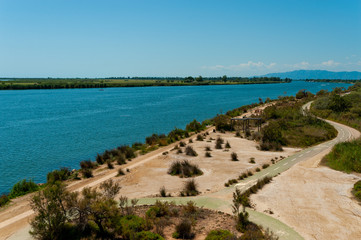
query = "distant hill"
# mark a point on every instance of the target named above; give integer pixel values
(316, 74)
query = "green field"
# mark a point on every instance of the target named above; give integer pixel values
(55, 83)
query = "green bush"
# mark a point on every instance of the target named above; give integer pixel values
(219, 235)
(147, 235)
(208, 154)
(195, 126)
(131, 224)
(58, 175)
(199, 137)
(23, 187)
(160, 209)
(357, 190)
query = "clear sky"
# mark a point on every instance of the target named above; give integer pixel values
(104, 38)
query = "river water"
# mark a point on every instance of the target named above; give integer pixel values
(43, 130)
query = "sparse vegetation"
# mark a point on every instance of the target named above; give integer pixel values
(182, 144)
(184, 169)
(266, 165)
(184, 230)
(190, 151)
(199, 137)
(252, 160)
(190, 188)
(208, 154)
(208, 148)
(258, 169)
(121, 172)
(227, 145)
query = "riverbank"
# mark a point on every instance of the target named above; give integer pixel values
(67, 83)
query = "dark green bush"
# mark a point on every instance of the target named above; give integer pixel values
(147, 235)
(131, 225)
(87, 164)
(110, 164)
(120, 172)
(87, 172)
(252, 160)
(195, 126)
(265, 165)
(219, 235)
(208, 154)
(182, 144)
(23, 187)
(4, 199)
(160, 209)
(58, 175)
(227, 145)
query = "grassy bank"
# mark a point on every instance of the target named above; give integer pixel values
(345, 109)
(58, 83)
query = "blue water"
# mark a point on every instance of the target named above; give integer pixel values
(42, 130)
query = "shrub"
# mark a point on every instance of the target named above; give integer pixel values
(120, 172)
(219, 235)
(183, 230)
(238, 134)
(258, 169)
(131, 225)
(218, 145)
(110, 164)
(87, 164)
(249, 173)
(357, 189)
(184, 169)
(190, 188)
(220, 140)
(162, 192)
(194, 126)
(234, 156)
(58, 175)
(23, 187)
(87, 172)
(99, 159)
(190, 208)
(244, 175)
(199, 137)
(227, 145)
(208, 154)
(190, 141)
(190, 151)
(226, 184)
(160, 209)
(179, 151)
(208, 148)
(147, 235)
(182, 144)
(264, 166)
(121, 159)
(252, 160)
(4, 199)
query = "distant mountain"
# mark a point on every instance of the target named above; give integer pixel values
(317, 74)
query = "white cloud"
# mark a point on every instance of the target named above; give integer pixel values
(242, 66)
(330, 63)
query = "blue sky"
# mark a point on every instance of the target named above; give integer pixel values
(103, 38)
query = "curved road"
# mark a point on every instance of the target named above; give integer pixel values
(222, 200)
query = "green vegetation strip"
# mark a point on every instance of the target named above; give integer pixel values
(56, 83)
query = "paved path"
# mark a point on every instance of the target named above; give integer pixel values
(222, 199)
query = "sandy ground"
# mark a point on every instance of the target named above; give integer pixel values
(315, 200)
(147, 179)
(149, 172)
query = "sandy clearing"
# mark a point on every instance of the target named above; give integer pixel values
(314, 200)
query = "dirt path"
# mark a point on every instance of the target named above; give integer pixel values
(315, 200)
